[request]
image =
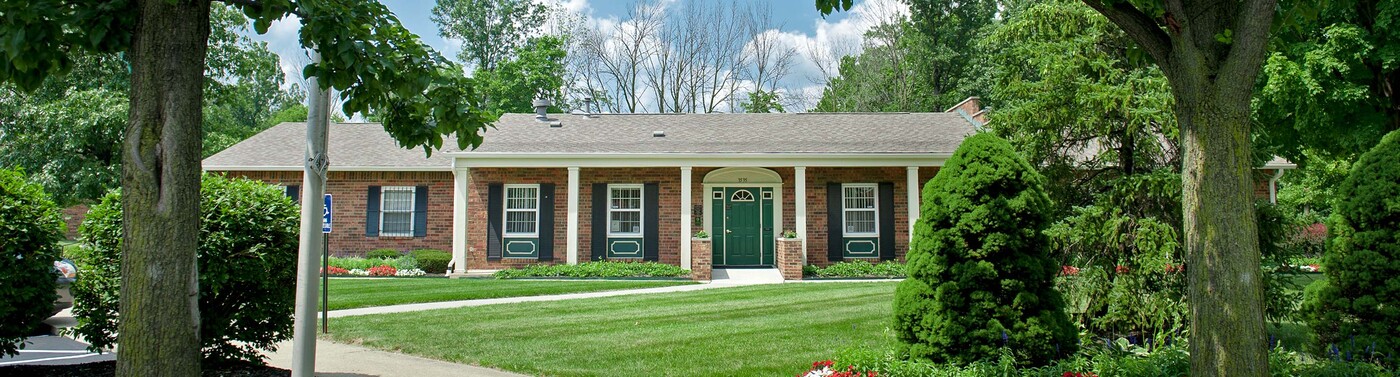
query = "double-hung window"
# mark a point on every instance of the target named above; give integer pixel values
(624, 210)
(396, 211)
(522, 210)
(858, 206)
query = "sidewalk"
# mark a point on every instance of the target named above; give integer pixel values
(344, 360)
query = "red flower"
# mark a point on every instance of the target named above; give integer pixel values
(1121, 269)
(333, 270)
(383, 270)
(1175, 268)
(1069, 270)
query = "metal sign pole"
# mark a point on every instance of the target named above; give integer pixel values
(326, 221)
(314, 181)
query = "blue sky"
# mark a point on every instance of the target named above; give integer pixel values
(798, 21)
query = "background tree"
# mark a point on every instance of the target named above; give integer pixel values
(980, 273)
(536, 71)
(762, 102)
(376, 64)
(67, 131)
(1353, 309)
(490, 30)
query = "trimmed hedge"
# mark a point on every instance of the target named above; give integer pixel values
(600, 269)
(432, 261)
(383, 254)
(354, 263)
(856, 269)
(247, 264)
(30, 228)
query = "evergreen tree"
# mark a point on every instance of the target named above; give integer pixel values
(980, 274)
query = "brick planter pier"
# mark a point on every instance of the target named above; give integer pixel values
(789, 258)
(700, 259)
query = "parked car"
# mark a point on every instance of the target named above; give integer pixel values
(67, 272)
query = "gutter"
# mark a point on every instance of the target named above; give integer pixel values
(1273, 186)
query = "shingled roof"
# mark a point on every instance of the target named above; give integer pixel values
(367, 146)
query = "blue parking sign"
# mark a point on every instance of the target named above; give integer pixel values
(326, 216)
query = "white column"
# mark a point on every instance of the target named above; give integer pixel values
(800, 191)
(913, 191)
(571, 232)
(460, 182)
(686, 220)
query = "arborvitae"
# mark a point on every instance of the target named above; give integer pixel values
(980, 277)
(1354, 311)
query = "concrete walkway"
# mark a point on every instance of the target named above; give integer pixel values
(344, 360)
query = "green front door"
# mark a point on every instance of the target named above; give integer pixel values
(743, 224)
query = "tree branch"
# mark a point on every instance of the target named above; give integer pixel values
(1250, 41)
(1138, 26)
(255, 4)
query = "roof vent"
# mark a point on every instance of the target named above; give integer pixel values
(556, 124)
(658, 134)
(541, 107)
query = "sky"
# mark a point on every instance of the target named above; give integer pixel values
(799, 23)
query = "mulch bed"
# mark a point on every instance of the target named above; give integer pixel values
(108, 368)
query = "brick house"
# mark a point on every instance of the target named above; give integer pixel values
(571, 188)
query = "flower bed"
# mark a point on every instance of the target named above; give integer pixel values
(601, 269)
(848, 270)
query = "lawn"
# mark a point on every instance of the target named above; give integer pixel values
(744, 331)
(350, 293)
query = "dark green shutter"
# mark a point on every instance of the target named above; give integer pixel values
(294, 192)
(495, 209)
(372, 212)
(420, 211)
(546, 225)
(834, 250)
(649, 221)
(886, 221)
(600, 221)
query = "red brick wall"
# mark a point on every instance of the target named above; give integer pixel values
(351, 189)
(817, 227)
(477, 213)
(72, 218)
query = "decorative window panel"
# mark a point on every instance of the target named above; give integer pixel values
(858, 205)
(396, 211)
(522, 210)
(625, 210)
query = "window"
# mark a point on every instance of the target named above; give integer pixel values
(522, 210)
(625, 210)
(396, 211)
(858, 209)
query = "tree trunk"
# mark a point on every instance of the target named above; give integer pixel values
(1222, 247)
(159, 329)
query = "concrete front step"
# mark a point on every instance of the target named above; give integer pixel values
(747, 276)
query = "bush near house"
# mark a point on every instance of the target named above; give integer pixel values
(383, 254)
(30, 228)
(599, 269)
(1354, 309)
(247, 261)
(980, 274)
(856, 269)
(432, 261)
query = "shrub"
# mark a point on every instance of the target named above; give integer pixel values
(383, 254)
(1355, 307)
(432, 261)
(980, 276)
(599, 269)
(30, 228)
(247, 264)
(857, 269)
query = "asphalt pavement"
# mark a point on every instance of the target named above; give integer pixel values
(45, 348)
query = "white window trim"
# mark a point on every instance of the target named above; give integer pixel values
(875, 188)
(412, 203)
(641, 211)
(505, 211)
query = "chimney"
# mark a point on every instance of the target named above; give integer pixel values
(541, 107)
(971, 108)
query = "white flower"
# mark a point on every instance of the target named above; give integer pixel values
(410, 272)
(359, 272)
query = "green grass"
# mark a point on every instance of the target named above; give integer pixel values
(349, 293)
(746, 331)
